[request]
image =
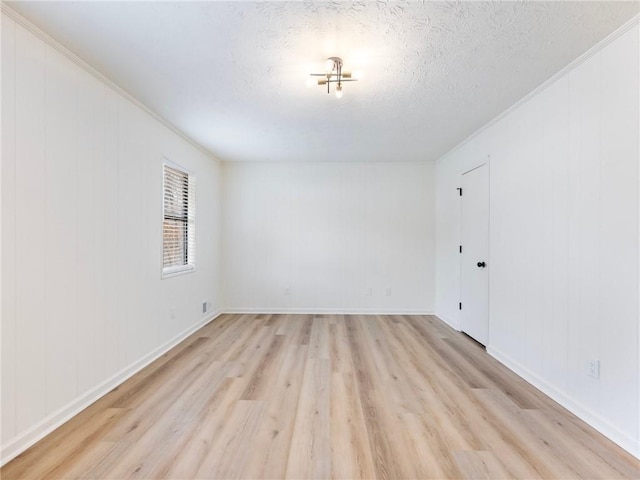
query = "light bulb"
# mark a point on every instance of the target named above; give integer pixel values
(329, 64)
(339, 91)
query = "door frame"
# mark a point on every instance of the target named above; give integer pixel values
(486, 161)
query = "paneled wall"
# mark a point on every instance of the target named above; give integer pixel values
(563, 237)
(83, 304)
(341, 237)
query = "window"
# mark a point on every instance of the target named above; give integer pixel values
(178, 221)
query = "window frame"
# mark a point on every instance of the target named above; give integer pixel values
(176, 270)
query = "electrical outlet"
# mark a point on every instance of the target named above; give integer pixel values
(287, 291)
(205, 307)
(388, 292)
(368, 291)
(594, 368)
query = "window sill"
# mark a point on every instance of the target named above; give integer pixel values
(176, 271)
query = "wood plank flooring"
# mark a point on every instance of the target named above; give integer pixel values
(324, 396)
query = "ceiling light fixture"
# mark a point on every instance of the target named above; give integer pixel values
(334, 74)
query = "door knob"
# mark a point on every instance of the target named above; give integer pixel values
(482, 264)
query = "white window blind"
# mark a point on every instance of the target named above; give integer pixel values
(178, 222)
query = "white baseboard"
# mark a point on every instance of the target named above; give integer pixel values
(624, 440)
(326, 311)
(19, 444)
(453, 325)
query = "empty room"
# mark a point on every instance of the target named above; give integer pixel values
(314, 240)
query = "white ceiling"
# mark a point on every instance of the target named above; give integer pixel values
(231, 75)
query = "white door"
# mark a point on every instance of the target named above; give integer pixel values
(474, 265)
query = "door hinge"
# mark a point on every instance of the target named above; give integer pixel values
(460, 248)
(459, 191)
(460, 306)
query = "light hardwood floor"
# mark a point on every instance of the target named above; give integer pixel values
(324, 396)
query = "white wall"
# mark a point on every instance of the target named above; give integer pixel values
(564, 237)
(328, 232)
(83, 304)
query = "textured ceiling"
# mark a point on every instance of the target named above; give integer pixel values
(231, 75)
